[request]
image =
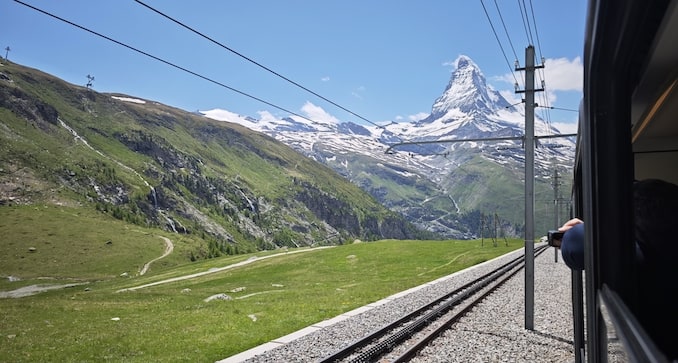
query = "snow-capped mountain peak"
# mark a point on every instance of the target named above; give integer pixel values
(467, 91)
(468, 108)
(269, 123)
(413, 173)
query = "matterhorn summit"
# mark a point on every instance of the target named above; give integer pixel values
(467, 91)
(469, 108)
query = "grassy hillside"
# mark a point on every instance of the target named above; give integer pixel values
(65, 243)
(153, 166)
(172, 322)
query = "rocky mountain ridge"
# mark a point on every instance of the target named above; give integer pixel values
(438, 184)
(154, 165)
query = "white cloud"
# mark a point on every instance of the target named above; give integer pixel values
(560, 74)
(325, 79)
(418, 116)
(512, 97)
(550, 96)
(566, 127)
(266, 116)
(316, 113)
(358, 92)
(564, 75)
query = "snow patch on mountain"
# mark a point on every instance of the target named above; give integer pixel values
(468, 108)
(128, 99)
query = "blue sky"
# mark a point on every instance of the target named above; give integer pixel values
(383, 60)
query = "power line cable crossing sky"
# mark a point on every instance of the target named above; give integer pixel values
(385, 60)
(254, 62)
(160, 60)
(528, 26)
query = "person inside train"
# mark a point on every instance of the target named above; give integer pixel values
(656, 222)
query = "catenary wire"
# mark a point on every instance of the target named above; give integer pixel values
(252, 61)
(536, 31)
(547, 112)
(506, 30)
(560, 108)
(498, 41)
(163, 61)
(528, 34)
(526, 24)
(511, 44)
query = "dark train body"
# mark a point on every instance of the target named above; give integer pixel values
(628, 130)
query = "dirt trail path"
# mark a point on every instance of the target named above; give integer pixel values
(169, 247)
(219, 269)
(36, 289)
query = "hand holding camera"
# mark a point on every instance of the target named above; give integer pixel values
(554, 238)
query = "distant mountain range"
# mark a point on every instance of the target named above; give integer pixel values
(240, 190)
(457, 189)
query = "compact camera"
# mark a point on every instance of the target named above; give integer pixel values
(554, 238)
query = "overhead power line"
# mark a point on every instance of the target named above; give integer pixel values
(506, 30)
(163, 61)
(526, 21)
(536, 31)
(542, 73)
(557, 108)
(546, 116)
(498, 41)
(253, 62)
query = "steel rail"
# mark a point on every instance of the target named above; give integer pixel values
(414, 349)
(420, 318)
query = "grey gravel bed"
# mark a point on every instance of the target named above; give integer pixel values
(495, 329)
(492, 332)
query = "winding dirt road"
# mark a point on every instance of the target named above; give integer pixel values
(219, 269)
(169, 247)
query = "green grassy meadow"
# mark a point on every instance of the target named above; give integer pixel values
(172, 322)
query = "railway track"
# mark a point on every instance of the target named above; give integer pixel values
(401, 339)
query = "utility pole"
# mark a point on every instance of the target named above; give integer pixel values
(7, 52)
(528, 142)
(482, 229)
(556, 198)
(529, 182)
(556, 207)
(494, 240)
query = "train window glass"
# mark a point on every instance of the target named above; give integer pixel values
(615, 349)
(627, 341)
(658, 165)
(654, 115)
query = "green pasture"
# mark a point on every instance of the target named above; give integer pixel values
(172, 322)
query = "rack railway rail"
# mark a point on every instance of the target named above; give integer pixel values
(401, 339)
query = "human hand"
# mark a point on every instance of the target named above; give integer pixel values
(569, 224)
